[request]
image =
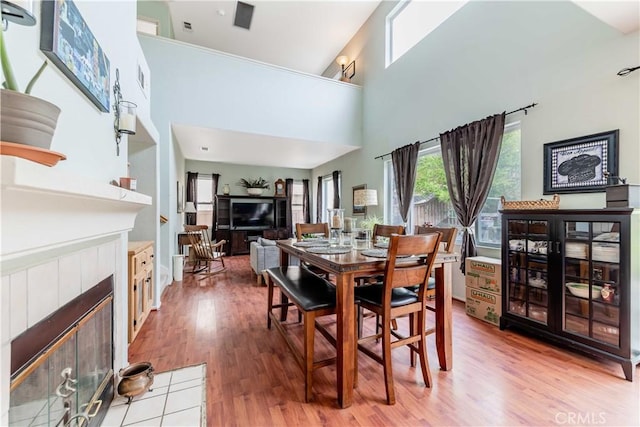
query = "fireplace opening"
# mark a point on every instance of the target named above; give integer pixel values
(62, 367)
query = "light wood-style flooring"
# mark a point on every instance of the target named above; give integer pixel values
(499, 378)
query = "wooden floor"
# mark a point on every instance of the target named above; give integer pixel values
(499, 378)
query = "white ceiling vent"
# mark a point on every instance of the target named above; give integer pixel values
(244, 14)
(186, 26)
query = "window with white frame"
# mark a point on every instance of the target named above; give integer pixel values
(411, 21)
(297, 214)
(431, 203)
(327, 196)
(147, 26)
(204, 206)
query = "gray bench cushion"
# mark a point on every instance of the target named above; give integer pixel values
(305, 289)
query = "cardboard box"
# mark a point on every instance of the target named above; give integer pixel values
(484, 273)
(483, 305)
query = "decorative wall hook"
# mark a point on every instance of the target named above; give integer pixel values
(125, 114)
(614, 178)
(626, 71)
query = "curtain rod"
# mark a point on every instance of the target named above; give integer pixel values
(437, 137)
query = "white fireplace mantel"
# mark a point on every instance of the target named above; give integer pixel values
(44, 208)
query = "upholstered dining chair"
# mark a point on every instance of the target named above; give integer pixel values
(379, 230)
(204, 253)
(391, 299)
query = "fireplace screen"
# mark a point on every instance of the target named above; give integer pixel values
(70, 382)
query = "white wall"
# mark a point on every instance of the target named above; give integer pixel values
(84, 133)
(491, 57)
(205, 88)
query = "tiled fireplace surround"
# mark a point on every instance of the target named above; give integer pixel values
(61, 235)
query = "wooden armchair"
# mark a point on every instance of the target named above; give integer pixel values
(203, 252)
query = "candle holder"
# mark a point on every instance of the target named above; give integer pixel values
(336, 224)
(125, 114)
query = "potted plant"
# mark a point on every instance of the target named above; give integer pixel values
(255, 187)
(24, 119)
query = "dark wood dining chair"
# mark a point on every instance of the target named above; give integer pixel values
(320, 228)
(391, 299)
(447, 245)
(379, 230)
(382, 230)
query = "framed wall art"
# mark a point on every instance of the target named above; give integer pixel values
(180, 196)
(581, 165)
(65, 38)
(358, 210)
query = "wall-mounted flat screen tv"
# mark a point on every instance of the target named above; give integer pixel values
(252, 214)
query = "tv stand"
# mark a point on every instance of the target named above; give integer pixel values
(240, 239)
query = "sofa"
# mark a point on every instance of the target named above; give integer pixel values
(264, 254)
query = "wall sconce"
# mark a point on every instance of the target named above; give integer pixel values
(365, 198)
(125, 114)
(348, 71)
(19, 14)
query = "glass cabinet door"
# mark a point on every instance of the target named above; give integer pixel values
(528, 268)
(591, 280)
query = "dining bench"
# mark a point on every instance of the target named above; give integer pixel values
(314, 297)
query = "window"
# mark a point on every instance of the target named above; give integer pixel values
(327, 196)
(205, 200)
(506, 182)
(297, 215)
(147, 26)
(411, 21)
(431, 203)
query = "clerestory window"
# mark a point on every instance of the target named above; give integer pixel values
(411, 21)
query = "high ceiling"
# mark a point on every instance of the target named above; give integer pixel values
(303, 35)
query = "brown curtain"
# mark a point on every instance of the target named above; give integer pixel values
(288, 186)
(404, 161)
(470, 155)
(192, 196)
(215, 177)
(335, 175)
(306, 201)
(319, 201)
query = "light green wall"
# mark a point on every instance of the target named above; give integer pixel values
(491, 57)
(231, 174)
(158, 11)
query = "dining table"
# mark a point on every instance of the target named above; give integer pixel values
(345, 266)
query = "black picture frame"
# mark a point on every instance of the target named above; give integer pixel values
(67, 41)
(358, 210)
(581, 165)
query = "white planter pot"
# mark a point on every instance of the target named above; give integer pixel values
(255, 191)
(25, 119)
